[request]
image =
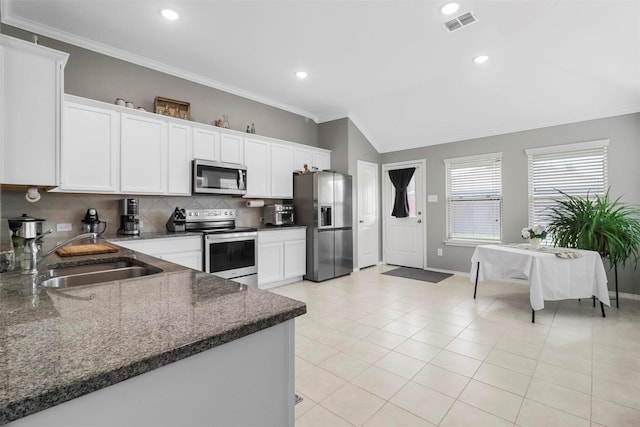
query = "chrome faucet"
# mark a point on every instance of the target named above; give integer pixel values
(35, 261)
(93, 236)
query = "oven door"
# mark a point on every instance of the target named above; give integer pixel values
(230, 255)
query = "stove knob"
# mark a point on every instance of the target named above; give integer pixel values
(197, 214)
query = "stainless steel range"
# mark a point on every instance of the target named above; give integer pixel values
(229, 251)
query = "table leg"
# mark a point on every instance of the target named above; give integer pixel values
(602, 308)
(477, 274)
(533, 316)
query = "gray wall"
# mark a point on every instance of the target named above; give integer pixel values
(103, 78)
(334, 136)
(623, 133)
(348, 145)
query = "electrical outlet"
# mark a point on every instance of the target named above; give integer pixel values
(439, 251)
(63, 227)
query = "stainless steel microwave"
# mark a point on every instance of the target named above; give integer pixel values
(219, 178)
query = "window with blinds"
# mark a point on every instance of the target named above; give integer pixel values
(575, 169)
(474, 198)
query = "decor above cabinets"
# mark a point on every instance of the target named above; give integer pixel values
(31, 88)
(107, 148)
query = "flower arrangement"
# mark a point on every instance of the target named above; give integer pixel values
(535, 232)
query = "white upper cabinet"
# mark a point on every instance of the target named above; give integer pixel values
(231, 149)
(312, 157)
(321, 160)
(257, 159)
(206, 144)
(143, 155)
(111, 149)
(302, 156)
(281, 175)
(179, 160)
(90, 147)
(31, 88)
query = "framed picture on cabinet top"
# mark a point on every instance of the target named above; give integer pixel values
(172, 108)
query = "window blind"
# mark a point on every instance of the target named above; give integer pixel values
(575, 169)
(474, 197)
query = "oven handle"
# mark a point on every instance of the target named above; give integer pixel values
(228, 238)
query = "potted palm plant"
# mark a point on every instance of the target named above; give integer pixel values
(611, 228)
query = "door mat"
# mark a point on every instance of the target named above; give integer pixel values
(418, 274)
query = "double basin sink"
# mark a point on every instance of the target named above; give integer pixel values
(68, 275)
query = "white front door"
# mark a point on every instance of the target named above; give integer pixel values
(404, 238)
(368, 217)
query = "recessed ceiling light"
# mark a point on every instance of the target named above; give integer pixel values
(302, 75)
(481, 59)
(170, 15)
(449, 8)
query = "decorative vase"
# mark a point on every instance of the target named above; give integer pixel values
(535, 243)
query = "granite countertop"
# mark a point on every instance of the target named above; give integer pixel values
(56, 345)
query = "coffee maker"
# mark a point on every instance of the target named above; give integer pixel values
(129, 221)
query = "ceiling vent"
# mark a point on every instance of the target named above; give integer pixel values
(459, 22)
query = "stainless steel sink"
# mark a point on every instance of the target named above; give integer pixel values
(106, 270)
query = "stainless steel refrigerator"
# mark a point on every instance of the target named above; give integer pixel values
(322, 201)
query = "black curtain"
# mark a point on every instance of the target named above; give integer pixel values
(400, 178)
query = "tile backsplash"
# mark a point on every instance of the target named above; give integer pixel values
(60, 208)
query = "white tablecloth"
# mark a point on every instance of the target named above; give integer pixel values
(551, 278)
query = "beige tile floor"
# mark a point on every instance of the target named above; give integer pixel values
(376, 350)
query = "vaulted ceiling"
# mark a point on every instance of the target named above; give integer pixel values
(389, 65)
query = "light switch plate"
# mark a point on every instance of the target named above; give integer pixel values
(432, 198)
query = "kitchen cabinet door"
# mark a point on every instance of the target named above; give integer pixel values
(295, 257)
(281, 175)
(258, 161)
(301, 157)
(206, 144)
(282, 256)
(31, 88)
(179, 160)
(231, 149)
(321, 160)
(270, 262)
(89, 133)
(143, 155)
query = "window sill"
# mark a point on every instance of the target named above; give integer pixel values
(472, 243)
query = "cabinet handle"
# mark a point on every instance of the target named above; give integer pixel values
(419, 221)
(361, 221)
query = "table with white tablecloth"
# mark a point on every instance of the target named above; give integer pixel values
(553, 274)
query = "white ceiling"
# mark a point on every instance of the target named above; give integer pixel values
(389, 65)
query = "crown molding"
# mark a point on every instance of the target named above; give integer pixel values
(7, 18)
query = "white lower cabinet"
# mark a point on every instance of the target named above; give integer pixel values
(281, 257)
(186, 251)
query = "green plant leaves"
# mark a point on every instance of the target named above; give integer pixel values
(611, 228)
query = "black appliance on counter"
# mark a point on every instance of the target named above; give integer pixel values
(178, 220)
(129, 217)
(228, 251)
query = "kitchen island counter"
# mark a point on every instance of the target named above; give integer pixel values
(57, 345)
